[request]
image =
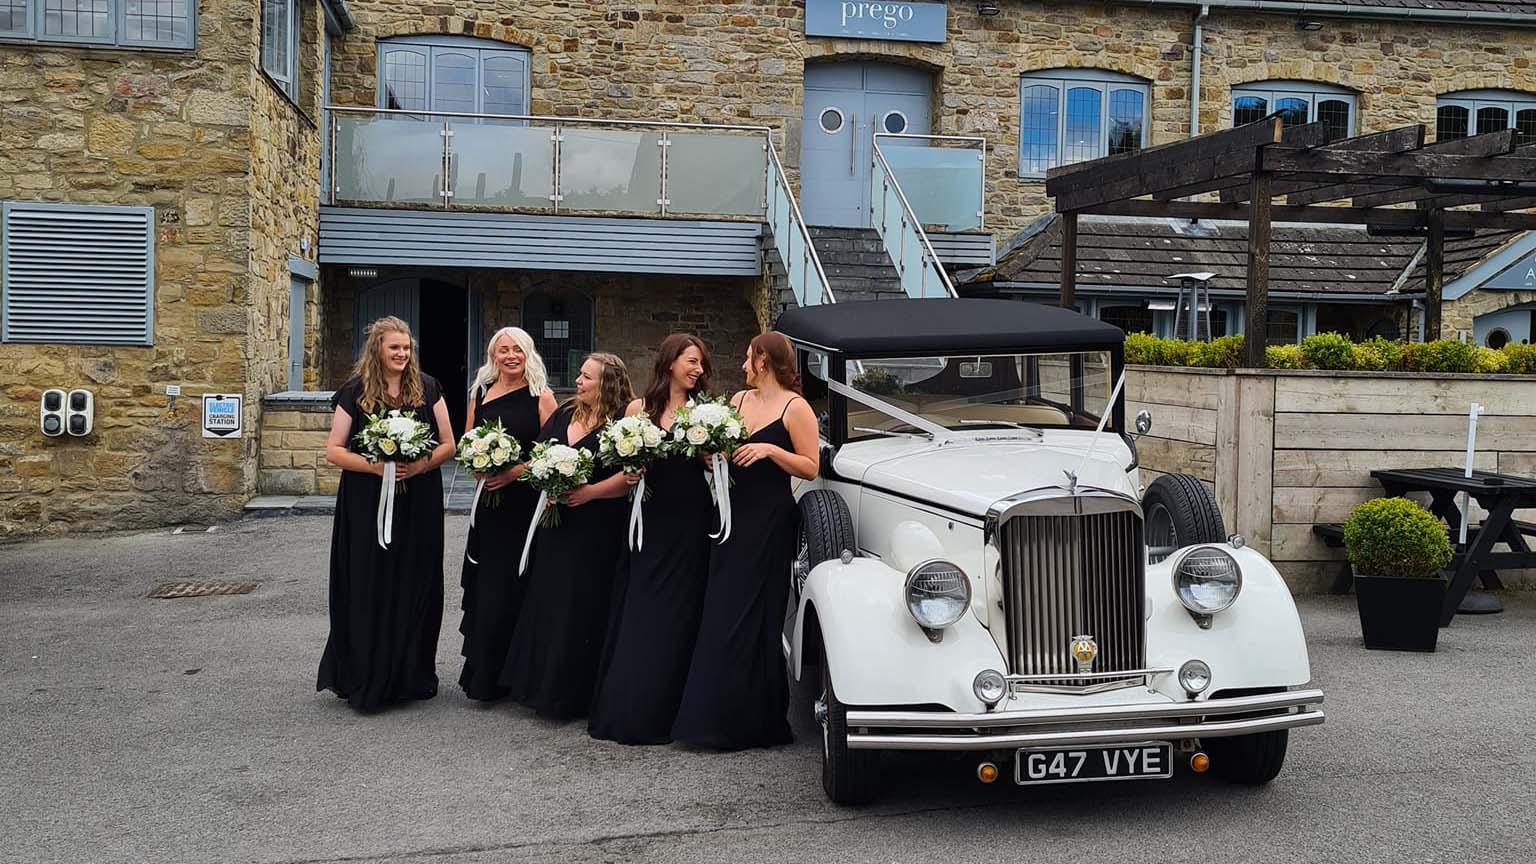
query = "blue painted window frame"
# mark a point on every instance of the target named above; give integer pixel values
(114, 37)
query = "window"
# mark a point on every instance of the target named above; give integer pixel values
(76, 274)
(1296, 102)
(459, 74)
(124, 23)
(1072, 115)
(1131, 319)
(1282, 327)
(280, 43)
(1474, 112)
(561, 324)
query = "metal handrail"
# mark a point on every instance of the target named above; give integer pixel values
(931, 256)
(976, 141)
(776, 169)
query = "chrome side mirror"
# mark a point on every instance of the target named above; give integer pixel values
(1143, 422)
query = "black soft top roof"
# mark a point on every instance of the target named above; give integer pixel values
(896, 328)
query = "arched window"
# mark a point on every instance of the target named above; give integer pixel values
(1473, 112)
(1296, 102)
(560, 323)
(1072, 115)
(452, 73)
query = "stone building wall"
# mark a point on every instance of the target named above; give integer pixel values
(171, 130)
(292, 458)
(1456, 316)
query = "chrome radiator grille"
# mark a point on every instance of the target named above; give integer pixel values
(1065, 576)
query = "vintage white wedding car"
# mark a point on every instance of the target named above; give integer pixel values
(981, 569)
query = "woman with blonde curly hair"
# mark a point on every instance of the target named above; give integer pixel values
(386, 600)
(511, 389)
(557, 644)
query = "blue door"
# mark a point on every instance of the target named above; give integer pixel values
(845, 105)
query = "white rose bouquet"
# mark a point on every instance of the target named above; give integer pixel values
(487, 449)
(553, 469)
(714, 427)
(632, 443)
(392, 438)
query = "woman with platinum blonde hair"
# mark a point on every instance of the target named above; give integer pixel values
(512, 389)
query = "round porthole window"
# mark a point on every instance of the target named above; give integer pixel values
(895, 122)
(1497, 338)
(831, 121)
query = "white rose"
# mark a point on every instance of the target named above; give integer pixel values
(651, 436)
(626, 447)
(566, 467)
(678, 432)
(400, 427)
(387, 447)
(480, 446)
(733, 429)
(501, 455)
(697, 435)
(481, 462)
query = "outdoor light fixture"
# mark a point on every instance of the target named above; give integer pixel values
(987, 10)
(363, 273)
(1309, 24)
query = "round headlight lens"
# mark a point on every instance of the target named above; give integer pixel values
(938, 593)
(1194, 676)
(1207, 580)
(989, 686)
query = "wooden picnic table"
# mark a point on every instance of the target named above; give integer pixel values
(1501, 495)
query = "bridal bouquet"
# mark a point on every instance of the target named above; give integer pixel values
(484, 450)
(715, 427)
(554, 470)
(632, 443)
(391, 438)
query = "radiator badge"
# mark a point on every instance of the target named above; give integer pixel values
(1085, 651)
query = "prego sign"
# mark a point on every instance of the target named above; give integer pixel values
(870, 19)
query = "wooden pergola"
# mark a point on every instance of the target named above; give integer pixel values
(1391, 182)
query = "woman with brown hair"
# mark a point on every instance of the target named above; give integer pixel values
(737, 695)
(556, 646)
(661, 585)
(386, 603)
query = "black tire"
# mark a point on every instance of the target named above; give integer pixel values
(826, 529)
(1179, 511)
(848, 776)
(1250, 760)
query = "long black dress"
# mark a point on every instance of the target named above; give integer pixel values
(386, 604)
(737, 694)
(558, 641)
(492, 591)
(658, 596)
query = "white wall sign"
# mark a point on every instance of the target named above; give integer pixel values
(902, 21)
(222, 417)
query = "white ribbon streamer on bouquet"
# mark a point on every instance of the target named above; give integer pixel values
(636, 520)
(538, 516)
(720, 471)
(386, 521)
(474, 508)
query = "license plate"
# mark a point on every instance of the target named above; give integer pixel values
(1151, 760)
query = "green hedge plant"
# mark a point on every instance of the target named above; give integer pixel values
(1334, 351)
(1395, 537)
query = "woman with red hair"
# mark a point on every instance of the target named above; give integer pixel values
(737, 695)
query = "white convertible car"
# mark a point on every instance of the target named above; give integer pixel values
(981, 569)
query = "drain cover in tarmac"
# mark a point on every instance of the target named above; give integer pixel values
(176, 590)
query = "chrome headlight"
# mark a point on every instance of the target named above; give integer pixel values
(990, 686)
(1207, 580)
(938, 593)
(1194, 677)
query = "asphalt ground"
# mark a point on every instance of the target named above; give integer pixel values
(188, 730)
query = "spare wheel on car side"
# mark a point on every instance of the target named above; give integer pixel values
(1179, 511)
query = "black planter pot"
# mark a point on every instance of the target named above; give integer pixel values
(1400, 613)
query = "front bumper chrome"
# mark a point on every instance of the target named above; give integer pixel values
(1067, 727)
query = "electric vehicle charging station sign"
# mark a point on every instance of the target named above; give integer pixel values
(222, 415)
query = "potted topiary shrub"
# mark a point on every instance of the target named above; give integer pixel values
(1397, 549)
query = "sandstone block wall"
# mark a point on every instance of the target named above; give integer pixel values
(292, 460)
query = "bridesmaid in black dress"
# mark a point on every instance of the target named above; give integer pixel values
(737, 694)
(557, 644)
(659, 591)
(512, 388)
(386, 604)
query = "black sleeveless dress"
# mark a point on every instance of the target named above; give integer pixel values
(658, 595)
(492, 591)
(386, 604)
(551, 665)
(737, 694)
